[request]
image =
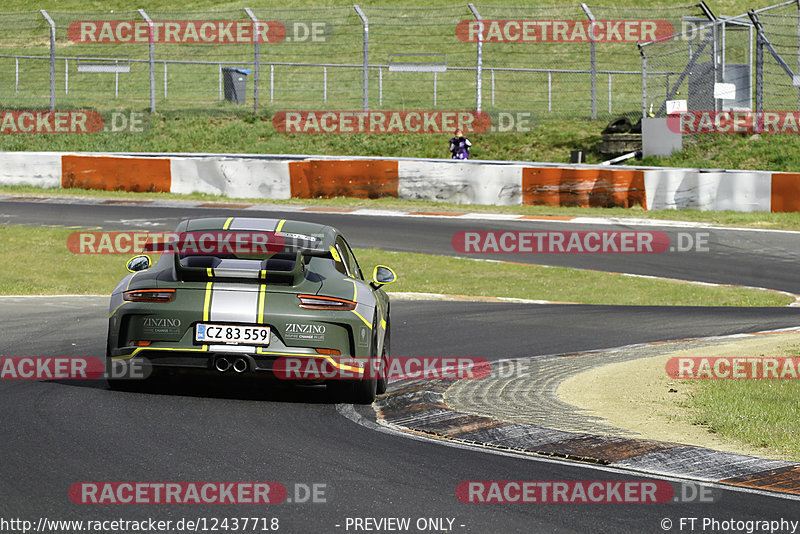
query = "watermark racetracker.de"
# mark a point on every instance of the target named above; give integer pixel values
(72, 122)
(185, 243)
(69, 368)
(577, 242)
(564, 492)
(563, 31)
(421, 121)
(736, 122)
(336, 367)
(733, 368)
(175, 31)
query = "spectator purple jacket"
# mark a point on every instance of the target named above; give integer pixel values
(459, 147)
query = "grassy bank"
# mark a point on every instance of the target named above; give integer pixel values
(36, 261)
(761, 413)
(549, 140)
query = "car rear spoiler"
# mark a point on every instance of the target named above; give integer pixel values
(203, 268)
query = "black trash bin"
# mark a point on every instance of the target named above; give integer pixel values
(235, 84)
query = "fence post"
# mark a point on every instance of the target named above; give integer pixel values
(256, 56)
(365, 82)
(151, 39)
(52, 58)
(479, 61)
(644, 81)
(714, 62)
(759, 76)
(592, 59)
(492, 70)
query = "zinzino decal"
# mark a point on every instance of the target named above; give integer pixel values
(305, 328)
(161, 325)
(160, 322)
(306, 332)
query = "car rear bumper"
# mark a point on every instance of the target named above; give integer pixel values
(230, 362)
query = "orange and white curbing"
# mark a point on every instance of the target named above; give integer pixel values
(473, 182)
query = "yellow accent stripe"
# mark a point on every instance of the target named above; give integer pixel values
(210, 272)
(204, 348)
(118, 307)
(126, 288)
(259, 351)
(355, 296)
(227, 223)
(207, 301)
(365, 321)
(262, 297)
(323, 356)
(335, 254)
(280, 225)
(263, 275)
(383, 324)
(131, 280)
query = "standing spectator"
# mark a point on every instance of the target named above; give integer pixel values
(459, 146)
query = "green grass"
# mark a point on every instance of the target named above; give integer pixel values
(552, 141)
(762, 413)
(768, 152)
(201, 131)
(437, 274)
(191, 120)
(727, 7)
(36, 261)
(777, 221)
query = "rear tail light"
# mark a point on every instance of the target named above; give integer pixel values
(315, 302)
(329, 352)
(149, 295)
(142, 343)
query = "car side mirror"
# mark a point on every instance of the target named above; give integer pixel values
(138, 263)
(383, 275)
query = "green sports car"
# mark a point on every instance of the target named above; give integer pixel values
(248, 296)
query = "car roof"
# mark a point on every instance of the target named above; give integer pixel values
(327, 233)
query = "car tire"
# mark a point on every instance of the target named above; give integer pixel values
(364, 391)
(354, 391)
(130, 384)
(113, 383)
(361, 391)
(383, 377)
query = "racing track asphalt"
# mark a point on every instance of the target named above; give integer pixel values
(58, 433)
(742, 257)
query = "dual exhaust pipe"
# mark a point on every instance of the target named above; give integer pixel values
(239, 365)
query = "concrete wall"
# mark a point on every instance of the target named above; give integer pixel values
(470, 182)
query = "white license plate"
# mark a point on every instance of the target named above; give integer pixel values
(234, 334)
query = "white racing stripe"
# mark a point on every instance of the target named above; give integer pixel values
(230, 304)
(245, 223)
